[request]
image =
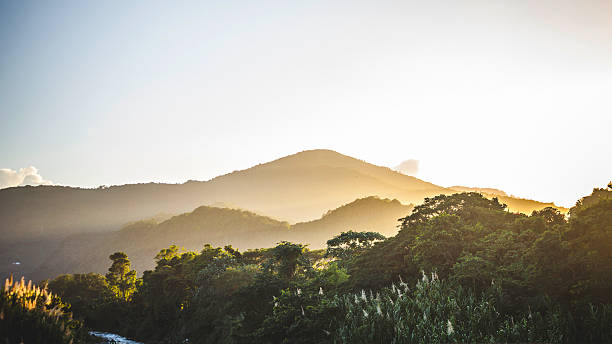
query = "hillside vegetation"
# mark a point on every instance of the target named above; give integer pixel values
(462, 269)
(219, 227)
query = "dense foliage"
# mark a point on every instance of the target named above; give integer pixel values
(462, 269)
(32, 314)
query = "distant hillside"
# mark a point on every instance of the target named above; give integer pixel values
(296, 188)
(525, 206)
(142, 240)
(366, 214)
(217, 226)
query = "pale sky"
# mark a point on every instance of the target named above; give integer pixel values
(515, 95)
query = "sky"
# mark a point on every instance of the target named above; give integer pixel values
(515, 95)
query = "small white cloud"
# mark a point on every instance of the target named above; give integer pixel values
(408, 167)
(25, 176)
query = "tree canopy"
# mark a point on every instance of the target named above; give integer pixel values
(461, 269)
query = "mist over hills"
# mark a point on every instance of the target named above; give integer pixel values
(142, 240)
(297, 188)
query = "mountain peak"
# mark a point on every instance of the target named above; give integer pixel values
(316, 157)
(319, 151)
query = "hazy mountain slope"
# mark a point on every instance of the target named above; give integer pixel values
(142, 240)
(366, 214)
(217, 226)
(30, 212)
(302, 186)
(522, 205)
(34, 220)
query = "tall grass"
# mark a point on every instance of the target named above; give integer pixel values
(32, 314)
(435, 311)
(432, 312)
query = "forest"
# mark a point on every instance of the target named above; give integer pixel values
(463, 268)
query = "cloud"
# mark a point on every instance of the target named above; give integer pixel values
(25, 176)
(409, 167)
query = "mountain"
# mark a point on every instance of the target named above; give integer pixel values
(35, 220)
(365, 214)
(302, 186)
(142, 240)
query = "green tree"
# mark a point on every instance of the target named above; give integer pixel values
(87, 295)
(590, 244)
(120, 277)
(548, 218)
(350, 244)
(439, 244)
(470, 206)
(288, 255)
(433, 237)
(165, 255)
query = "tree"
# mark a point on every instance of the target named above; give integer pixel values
(432, 238)
(350, 244)
(590, 245)
(439, 243)
(287, 254)
(470, 206)
(89, 296)
(166, 254)
(548, 217)
(120, 277)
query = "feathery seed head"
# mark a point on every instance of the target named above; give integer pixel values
(449, 328)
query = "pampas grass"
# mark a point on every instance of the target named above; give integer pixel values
(32, 314)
